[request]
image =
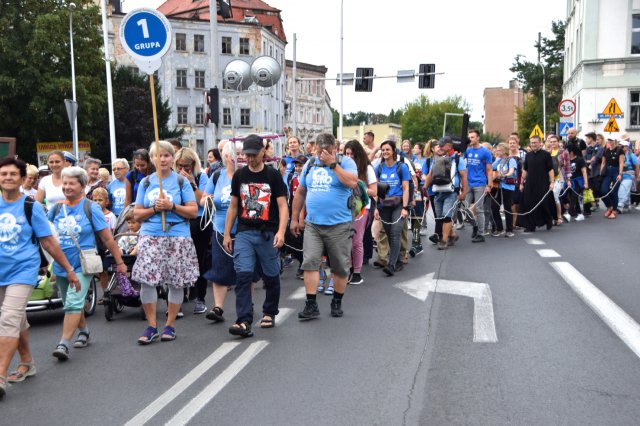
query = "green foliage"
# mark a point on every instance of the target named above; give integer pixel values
(423, 119)
(529, 74)
(528, 117)
(35, 72)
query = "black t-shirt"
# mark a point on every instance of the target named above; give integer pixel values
(582, 145)
(612, 156)
(576, 167)
(257, 196)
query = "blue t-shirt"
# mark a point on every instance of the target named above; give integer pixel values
(290, 165)
(426, 167)
(477, 160)
(327, 198)
(177, 226)
(202, 184)
(502, 165)
(221, 192)
(20, 258)
(137, 177)
(117, 192)
(388, 175)
(419, 165)
(77, 223)
(630, 163)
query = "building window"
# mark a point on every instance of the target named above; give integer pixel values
(181, 42)
(199, 116)
(318, 116)
(635, 34)
(319, 93)
(199, 80)
(226, 116)
(198, 43)
(244, 46)
(634, 109)
(226, 46)
(200, 148)
(183, 113)
(181, 79)
(245, 117)
(301, 115)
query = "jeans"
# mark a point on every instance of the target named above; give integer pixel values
(474, 194)
(610, 176)
(624, 193)
(250, 248)
(391, 215)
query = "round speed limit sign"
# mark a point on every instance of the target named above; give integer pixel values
(567, 107)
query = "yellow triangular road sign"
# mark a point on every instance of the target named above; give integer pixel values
(612, 108)
(611, 126)
(537, 131)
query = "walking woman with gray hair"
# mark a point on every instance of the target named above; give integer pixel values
(77, 224)
(166, 254)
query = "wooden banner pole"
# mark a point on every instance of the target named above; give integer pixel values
(155, 130)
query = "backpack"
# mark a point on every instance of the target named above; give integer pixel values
(28, 212)
(443, 173)
(399, 173)
(517, 173)
(358, 200)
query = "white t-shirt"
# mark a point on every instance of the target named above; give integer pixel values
(111, 220)
(30, 193)
(371, 178)
(52, 194)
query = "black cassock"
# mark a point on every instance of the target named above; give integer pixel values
(537, 164)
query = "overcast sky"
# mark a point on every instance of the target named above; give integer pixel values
(473, 42)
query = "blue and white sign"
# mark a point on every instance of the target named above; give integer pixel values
(564, 128)
(145, 35)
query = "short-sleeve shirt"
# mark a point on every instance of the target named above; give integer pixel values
(117, 193)
(327, 198)
(52, 194)
(221, 192)
(201, 184)
(20, 256)
(502, 165)
(136, 177)
(612, 156)
(290, 166)
(389, 175)
(630, 163)
(76, 223)
(257, 195)
(477, 160)
(111, 220)
(177, 226)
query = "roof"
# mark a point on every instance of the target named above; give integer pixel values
(321, 69)
(267, 16)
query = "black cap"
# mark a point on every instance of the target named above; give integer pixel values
(445, 140)
(252, 145)
(300, 159)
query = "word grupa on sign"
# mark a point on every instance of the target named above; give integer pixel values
(150, 45)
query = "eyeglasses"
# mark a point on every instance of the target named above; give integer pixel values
(185, 166)
(118, 168)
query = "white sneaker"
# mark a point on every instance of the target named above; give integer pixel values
(567, 217)
(579, 217)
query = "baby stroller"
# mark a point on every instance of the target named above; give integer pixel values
(120, 291)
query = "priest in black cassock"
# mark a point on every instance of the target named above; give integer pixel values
(537, 180)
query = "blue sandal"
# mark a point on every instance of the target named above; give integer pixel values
(149, 336)
(168, 334)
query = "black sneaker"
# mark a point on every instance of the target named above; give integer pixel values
(389, 270)
(300, 274)
(399, 267)
(310, 311)
(434, 238)
(336, 308)
(418, 249)
(356, 279)
(477, 239)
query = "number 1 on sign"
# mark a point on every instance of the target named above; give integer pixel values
(145, 30)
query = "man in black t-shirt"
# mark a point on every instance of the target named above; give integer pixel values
(574, 140)
(259, 204)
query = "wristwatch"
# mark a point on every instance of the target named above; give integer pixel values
(333, 165)
(173, 208)
(406, 208)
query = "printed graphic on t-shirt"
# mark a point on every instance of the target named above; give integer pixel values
(118, 196)
(67, 226)
(153, 195)
(9, 230)
(225, 197)
(320, 180)
(255, 198)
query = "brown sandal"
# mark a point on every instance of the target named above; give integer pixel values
(17, 376)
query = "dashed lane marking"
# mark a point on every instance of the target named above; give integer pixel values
(534, 241)
(548, 253)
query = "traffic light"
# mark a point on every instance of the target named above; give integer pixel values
(427, 81)
(224, 9)
(214, 106)
(364, 84)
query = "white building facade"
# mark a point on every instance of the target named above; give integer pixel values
(602, 61)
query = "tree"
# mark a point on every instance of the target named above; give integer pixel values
(35, 72)
(133, 114)
(423, 119)
(529, 74)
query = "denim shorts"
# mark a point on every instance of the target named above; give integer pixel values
(444, 202)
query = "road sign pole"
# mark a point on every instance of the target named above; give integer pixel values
(157, 142)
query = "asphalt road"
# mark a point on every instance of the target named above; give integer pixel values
(392, 359)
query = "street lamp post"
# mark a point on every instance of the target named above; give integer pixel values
(72, 7)
(544, 90)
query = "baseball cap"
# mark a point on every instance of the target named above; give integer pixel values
(252, 145)
(70, 158)
(300, 159)
(625, 143)
(445, 140)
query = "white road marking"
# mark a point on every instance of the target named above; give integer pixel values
(627, 329)
(284, 314)
(174, 391)
(548, 253)
(534, 241)
(484, 328)
(299, 294)
(203, 398)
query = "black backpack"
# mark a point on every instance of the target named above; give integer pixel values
(441, 176)
(28, 212)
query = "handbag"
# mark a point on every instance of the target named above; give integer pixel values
(90, 261)
(587, 196)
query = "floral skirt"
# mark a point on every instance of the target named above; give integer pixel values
(166, 260)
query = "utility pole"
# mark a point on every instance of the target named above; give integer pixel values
(544, 90)
(294, 103)
(107, 64)
(213, 53)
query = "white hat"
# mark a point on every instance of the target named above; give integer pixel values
(625, 143)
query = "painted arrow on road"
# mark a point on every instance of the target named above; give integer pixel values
(484, 327)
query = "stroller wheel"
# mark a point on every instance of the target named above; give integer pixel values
(119, 306)
(412, 252)
(108, 309)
